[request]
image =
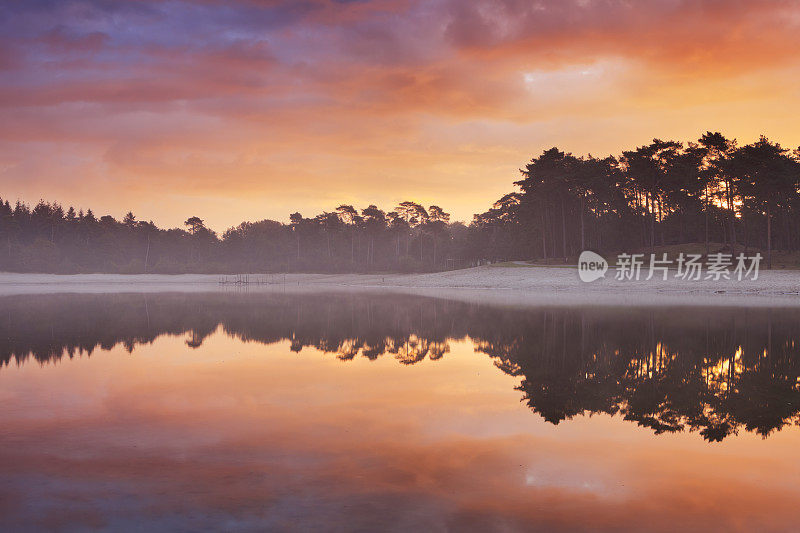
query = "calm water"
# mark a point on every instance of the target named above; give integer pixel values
(253, 412)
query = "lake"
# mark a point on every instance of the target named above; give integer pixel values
(247, 411)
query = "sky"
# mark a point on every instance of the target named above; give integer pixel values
(252, 109)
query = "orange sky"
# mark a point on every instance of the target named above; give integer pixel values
(254, 109)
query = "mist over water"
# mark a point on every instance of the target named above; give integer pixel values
(244, 411)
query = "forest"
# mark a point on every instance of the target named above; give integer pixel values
(712, 194)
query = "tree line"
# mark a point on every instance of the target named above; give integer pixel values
(49, 238)
(712, 193)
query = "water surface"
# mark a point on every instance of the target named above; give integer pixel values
(252, 412)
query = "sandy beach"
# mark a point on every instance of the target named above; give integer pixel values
(490, 284)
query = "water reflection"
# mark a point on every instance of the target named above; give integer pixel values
(716, 371)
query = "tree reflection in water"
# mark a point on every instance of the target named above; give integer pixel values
(712, 370)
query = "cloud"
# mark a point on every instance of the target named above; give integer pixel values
(265, 91)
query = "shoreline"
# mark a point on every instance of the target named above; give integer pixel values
(486, 284)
